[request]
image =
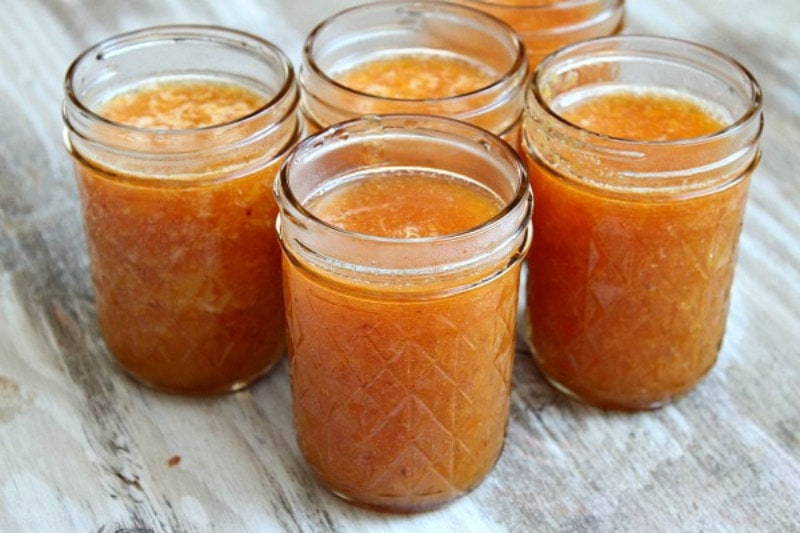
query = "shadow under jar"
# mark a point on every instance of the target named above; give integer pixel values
(177, 133)
(547, 25)
(640, 151)
(429, 58)
(403, 238)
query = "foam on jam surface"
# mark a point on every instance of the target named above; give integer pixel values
(415, 76)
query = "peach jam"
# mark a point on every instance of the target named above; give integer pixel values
(641, 179)
(401, 274)
(175, 160)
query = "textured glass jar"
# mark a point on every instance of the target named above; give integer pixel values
(631, 265)
(423, 29)
(401, 348)
(547, 25)
(180, 222)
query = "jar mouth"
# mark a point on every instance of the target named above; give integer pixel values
(649, 47)
(181, 156)
(414, 241)
(159, 35)
(386, 124)
(655, 170)
(380, 144)
(518, 64)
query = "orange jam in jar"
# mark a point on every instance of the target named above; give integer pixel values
(403, 238)
(547, 25)
(175, 163)
(429, 58)
(641, 179)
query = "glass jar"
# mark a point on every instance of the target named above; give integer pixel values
(455, 37)
(179, 220)
(547, 25)
(401, 345)
(631, 265)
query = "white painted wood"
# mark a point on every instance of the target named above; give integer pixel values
(84, 449)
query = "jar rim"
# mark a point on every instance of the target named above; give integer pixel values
(520, 61)
(177, 32)
(392, 142)
(752, 112)
(374, 124)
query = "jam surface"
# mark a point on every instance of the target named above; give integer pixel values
(406, 206)
(643, 116)
(415, 76)
(400, 402)
(186, 276)
(627, 296)
(181, 105)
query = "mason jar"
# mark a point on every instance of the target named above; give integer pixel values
(547, 25)
(430, 58)
(402, 238)
(640, 152)
(177, 133)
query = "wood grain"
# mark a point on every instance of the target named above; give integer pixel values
(84, 449)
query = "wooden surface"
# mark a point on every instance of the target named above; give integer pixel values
(84, 449)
